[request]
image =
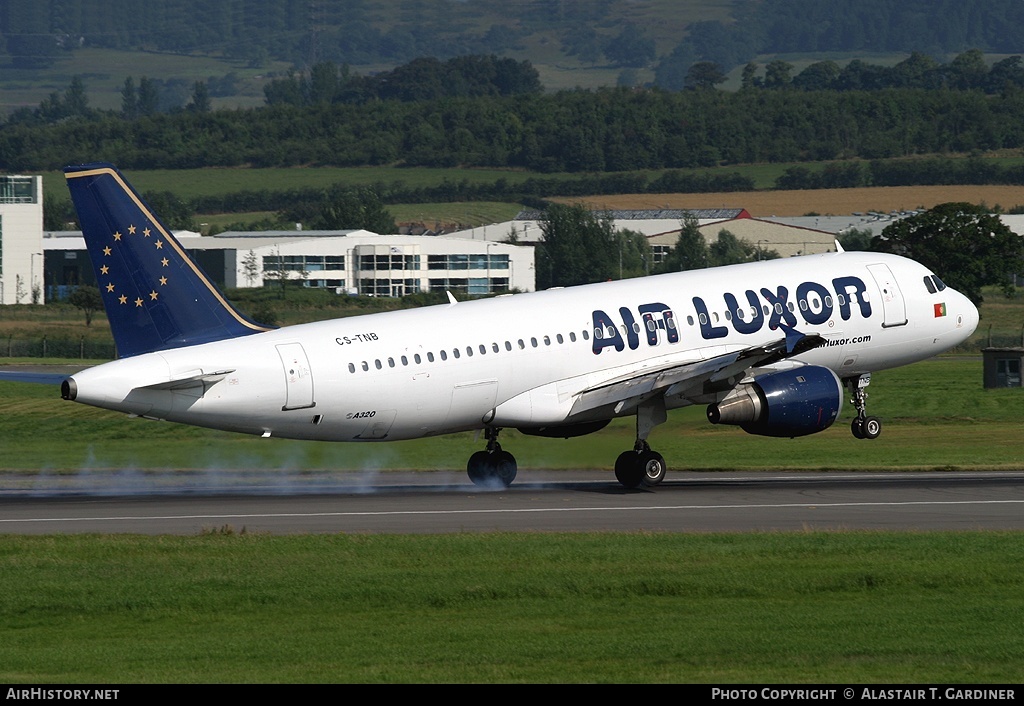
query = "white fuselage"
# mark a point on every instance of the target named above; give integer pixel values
(523, 360)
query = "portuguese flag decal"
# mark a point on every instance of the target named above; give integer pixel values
(940, 310)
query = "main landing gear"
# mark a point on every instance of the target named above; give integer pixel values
(863, 426)
(492, 468)
(642, 466)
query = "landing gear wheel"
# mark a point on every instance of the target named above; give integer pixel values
(493, 469)
(857, 427)
(636, 468)
(653, 468)
(477, 467)
(628, 470)
(505, 468)
(872, 427)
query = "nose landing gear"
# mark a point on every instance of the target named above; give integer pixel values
(863, 426)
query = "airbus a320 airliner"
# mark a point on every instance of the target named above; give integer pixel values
(767, 346)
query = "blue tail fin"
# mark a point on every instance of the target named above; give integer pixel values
(156, 297)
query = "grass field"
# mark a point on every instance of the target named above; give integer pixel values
(838, 202)
(551, 608)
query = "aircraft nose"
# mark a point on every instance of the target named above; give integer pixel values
(965, 316)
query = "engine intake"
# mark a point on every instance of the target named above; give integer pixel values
(789, 403)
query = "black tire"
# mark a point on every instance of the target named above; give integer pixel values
(477, 468)
(857, 427)
(628, 470)
(872, 427)
(652, 466)
(503, 467)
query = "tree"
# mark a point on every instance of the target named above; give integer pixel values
(129, 100)
(88, 299)
(749, 78)
(730, 250)
(200, 102)
(250, 268)
(174, 212)
(75, 100)
(579, 247)
(149, 96)
(963, 244)
(855, 239)
(818, 76)
(670, 73)
(777, 74)
(690, 251)
(631, 47)
(345, 208)
(634, 254)
(704, 75)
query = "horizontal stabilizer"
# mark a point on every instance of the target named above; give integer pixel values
(191, 381)
(35, 378)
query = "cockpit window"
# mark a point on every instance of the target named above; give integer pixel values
(934, 284)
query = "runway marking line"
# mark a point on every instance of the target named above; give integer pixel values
(383, 513)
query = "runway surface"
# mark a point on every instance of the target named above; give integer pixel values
(550, 501)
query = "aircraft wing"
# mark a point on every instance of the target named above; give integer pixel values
(678, 379)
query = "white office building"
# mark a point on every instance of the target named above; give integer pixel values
(21, 240)
(348, 262)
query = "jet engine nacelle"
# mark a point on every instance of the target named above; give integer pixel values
(790, 403)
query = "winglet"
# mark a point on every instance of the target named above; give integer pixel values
(839, 246)
(155, 295)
